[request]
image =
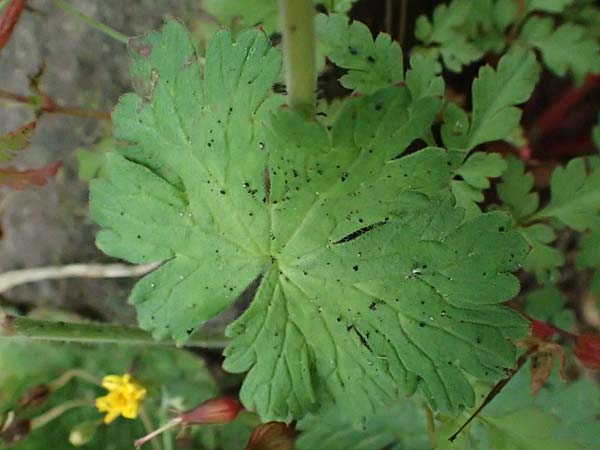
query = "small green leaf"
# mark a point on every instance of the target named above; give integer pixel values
(15, 141)
(91, 162)
(423, 78)
(371, 64)
(545, 303)
(495, 94)
(515, 187)
(467, 197)
(480, 167)
(551, 6)
(530, 429)
(243, 14)
(543, 259)
(476, 172)
(575, 197)
(564, 49)
(446, 32)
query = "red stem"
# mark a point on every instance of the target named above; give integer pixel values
(9, 19)
(556, 112)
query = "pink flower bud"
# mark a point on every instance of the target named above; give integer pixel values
(213, 411)
(272, 436)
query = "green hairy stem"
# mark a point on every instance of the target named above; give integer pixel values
(298, 28)
(15, 327)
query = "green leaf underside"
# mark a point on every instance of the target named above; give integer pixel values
(371, 282)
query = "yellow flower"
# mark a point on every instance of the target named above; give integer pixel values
(123, 399)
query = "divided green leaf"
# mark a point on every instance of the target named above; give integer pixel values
(260, 12)
(565, 48)
(575, 197)
(371, 64)
(495, 94)
(515, 188)
(365, 265)
(445, 34)
(475, 173)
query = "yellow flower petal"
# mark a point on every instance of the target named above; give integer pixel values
(123, 398)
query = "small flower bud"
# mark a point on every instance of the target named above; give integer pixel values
(83, 433)
(15, 431)
(213, 411)
(34, 397)
(587, 350)
(272, 436)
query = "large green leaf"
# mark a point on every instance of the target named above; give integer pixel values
(371, 283)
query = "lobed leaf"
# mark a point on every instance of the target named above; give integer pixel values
(371, 64)
(564, 49)
(575, 196)
(261, 12)
(365, 265)
(475, 173)
(495, 94)
(15, 141)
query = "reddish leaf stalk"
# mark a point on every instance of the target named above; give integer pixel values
(21, 180)
(9, 20)
(51, 107)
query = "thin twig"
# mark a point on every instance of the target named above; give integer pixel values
(149, 427)
(402, 24)
(9, 280)
(48, 105)
(496, 390)
(103, 28)
(388, 17)
(56, 412)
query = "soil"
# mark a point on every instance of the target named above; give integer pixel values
(84, 68)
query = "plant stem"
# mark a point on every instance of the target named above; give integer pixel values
(56, 412)
(402, 23)
(15, 327)
(66, 7)
(299, 42)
